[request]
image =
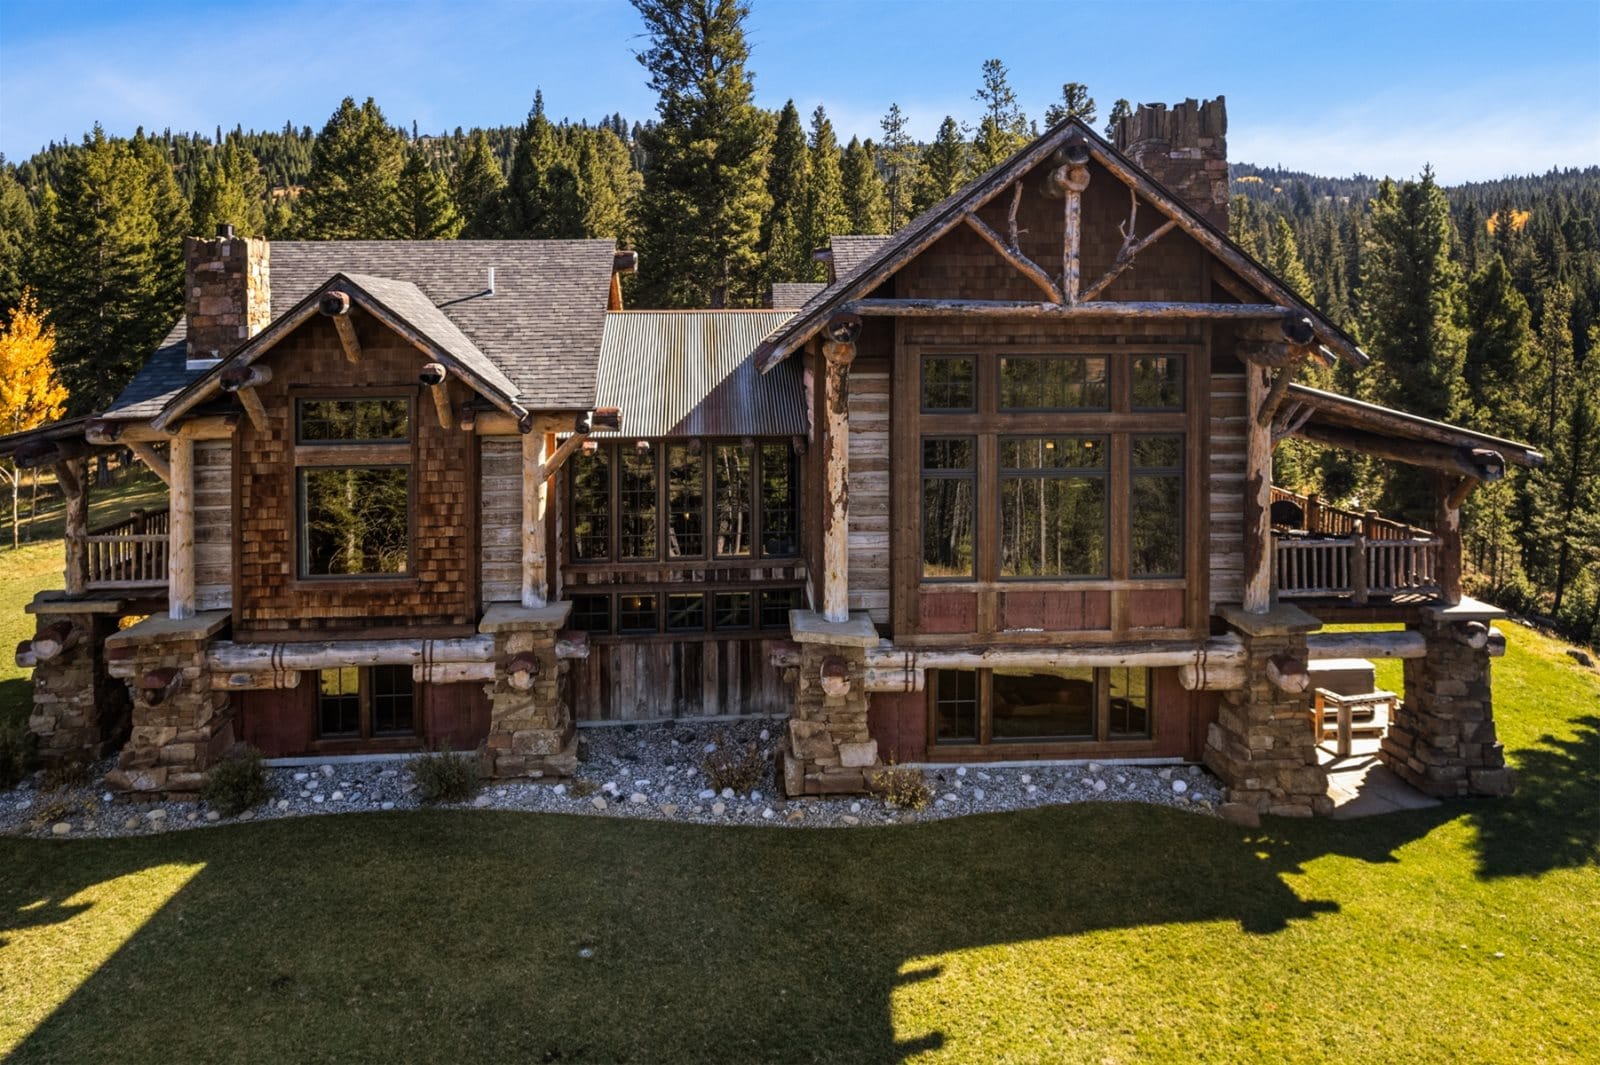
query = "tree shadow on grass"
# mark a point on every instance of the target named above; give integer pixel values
(470, 935)
(1553, 820)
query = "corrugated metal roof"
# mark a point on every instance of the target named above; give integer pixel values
(689, 373)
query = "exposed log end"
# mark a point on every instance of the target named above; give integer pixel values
(608, 419)
(843, 328)
(625, 262)
(522, 670)
(334, 304)
(785, 655)
(1298, 330)
(1288, 674)
(572, 643)
(835, 676)
(26, 659)
(1473, 634)
(241, 377)
(55, 639)
(433, 373)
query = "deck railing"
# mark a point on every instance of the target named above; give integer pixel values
(1355, 567)
(1320, 518)
(131, 553)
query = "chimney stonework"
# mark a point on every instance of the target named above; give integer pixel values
(227, 292)
(1186, 149)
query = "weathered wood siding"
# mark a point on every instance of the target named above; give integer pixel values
(500, 519)
(652, 679)
(1226, 477)
(213, 524)
(442, 586)
(869, 488)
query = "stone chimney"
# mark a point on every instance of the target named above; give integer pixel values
(1186, 149)
(227, 294)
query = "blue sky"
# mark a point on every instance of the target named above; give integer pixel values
(1480, 90)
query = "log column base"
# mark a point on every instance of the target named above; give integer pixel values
(175, 741)
(531, 731)
(1263, 743)
(827, 748)
(1442, 739)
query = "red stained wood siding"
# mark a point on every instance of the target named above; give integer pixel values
(1056, 611)
(947, 611)
(1155, 608)
(899, 722)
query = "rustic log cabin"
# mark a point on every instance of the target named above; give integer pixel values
(1001, 489)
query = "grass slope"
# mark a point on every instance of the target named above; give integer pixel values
(1096, 932)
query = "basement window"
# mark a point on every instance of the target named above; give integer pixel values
(355, 703)
(1027, 707)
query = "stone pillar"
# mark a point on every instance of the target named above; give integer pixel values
(1442, 739)
(1186, 149)
(828, 750)
(531, 732)
(79, 711)
(182, 724)
(1263, 744)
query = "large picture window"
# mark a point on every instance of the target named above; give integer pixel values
(1155, 510)
(1053, 513)
(729, 499)
(353, 486)
(949, 505)
(1026, 706)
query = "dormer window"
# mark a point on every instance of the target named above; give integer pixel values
(353, 472)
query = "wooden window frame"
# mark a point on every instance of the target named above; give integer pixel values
(662, 592)
(368, 736)
(1181, 472)
(924, 474)
(1120, 423)
(1102, 740)
(353, 455)
(660, 448)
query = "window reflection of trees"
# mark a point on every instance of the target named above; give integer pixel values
(356, 520)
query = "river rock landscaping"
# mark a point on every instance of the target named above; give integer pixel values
(635, 771)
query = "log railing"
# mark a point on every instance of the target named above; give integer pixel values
(131, 553)
(1356, 568)
(1324, 519)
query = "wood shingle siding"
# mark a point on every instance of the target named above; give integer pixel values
(213, 525)
(500, 519)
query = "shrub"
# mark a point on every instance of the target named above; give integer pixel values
(445, 776)
(236, 784)
(903, 787)
(16, 749)
(67, 773)
(727, 766)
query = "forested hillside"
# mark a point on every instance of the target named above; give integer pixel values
(1479, 303)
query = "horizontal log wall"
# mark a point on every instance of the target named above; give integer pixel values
(500, 519)
(652, 679)
(869, 488)
(1227, 486)
(213, 524)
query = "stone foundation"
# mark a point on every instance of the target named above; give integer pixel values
(531, 732)
(1442, 739)
(828, 750)
(1263, 744)
(182, 726)
(80, 712)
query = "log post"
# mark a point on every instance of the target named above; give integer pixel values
(838, 352)
(437, 379)
(72, 476)
(1075, 181)
(1452, 492)
(1358, 568)
(180, 531)
(1257, 498)
(534, 499)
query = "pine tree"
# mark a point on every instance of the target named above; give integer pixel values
(1120, 110)
(1555, 360)
(1567, 495)
(428, 210)
(607, 185)
(541, 198)
(354, 184)
(864, 202)
(232, 191)
(704, 189)
(108, 266)
(1075, 103)
(1283, 258)
(476, 184)
(1003, 128)
(1499, 365)
(16, 236)
(944, 166)
(783, 240)
(825, 213)
(899, 155)
(1415, 318)
(30, 393)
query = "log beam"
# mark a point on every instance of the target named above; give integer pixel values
(55, 639)
(241, 382)
(336, 305)
(1476, 463)
(1212, 663)
(1013, 255)
(1125, 258)
(152, 460)
(1097, 310)
(225, 656)
(437, 379)
(180, 531)
(1280, 388)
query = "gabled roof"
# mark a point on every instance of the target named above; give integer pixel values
(1319, 408)
(792, 295)
(887, 258)
(541, 327)
(689, 373)
(398, 304)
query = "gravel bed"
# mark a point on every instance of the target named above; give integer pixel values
(651, 772)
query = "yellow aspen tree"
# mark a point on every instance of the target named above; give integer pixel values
(30, 392)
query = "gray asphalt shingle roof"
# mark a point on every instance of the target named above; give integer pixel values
(794, 294)
(541, 328)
